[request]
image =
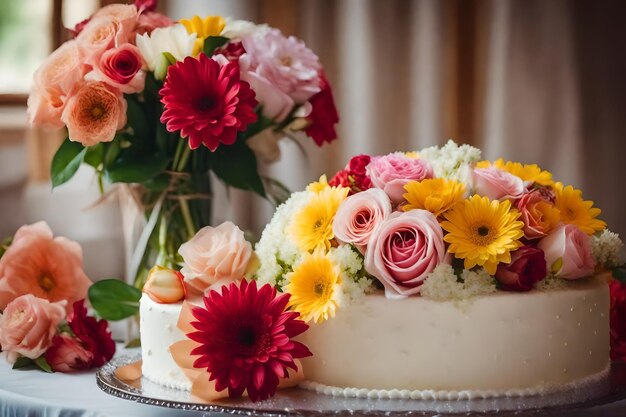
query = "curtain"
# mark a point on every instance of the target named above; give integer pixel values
(528, 80)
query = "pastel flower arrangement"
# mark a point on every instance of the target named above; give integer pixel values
(43, 317)
(160, 104)
(439, 223)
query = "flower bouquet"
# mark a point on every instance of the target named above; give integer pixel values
(439, 223)
(159, 104)
(43, 320)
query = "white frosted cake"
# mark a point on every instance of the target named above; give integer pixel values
(501, 344)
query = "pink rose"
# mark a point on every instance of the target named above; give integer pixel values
(67, 354)
(527, 267)
(215, 254)
(121, 68)
(39, 264)
(360, 215)
(496, 184)
(94, 113)
(54, 79)
(392, 172)
(28, 325)
(404, 250)
(568, 252)
(538, 212)
(148, 21)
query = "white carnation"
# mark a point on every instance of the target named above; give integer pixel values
(237, 29)
(452, 161)
(551, 283)
(443, 284)
(605, 248)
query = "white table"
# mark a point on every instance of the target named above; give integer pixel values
(33, 393)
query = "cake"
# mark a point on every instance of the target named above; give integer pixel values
(428, 275)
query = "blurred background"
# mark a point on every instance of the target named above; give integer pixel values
(530, 80)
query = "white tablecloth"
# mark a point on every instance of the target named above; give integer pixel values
(33, 393)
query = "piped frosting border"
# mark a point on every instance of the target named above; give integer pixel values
(453, 395)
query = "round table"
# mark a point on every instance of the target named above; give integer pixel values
(33, 393)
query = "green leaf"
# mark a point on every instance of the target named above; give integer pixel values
(114, 300)
(66, 161)
(137, 120)
(136, 168)
(23, 362)
(619, 273)
(4, 245)
(171, 59)
(95, 155)
(236, 166)
(43, 364)
(557, 266)
(260, 125)
(212, 43)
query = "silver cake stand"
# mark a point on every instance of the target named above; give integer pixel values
(297, 401)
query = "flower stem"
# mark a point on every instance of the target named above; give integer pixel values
(183, 159)
(184, 209)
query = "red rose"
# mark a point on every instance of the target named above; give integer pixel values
(618, 320)
(67, 354)
(323, 115)
(527, 267)
(94, 334)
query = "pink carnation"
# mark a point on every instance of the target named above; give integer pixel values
(392, 172)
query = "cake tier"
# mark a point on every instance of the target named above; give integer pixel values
(158, 331)
(505, 343)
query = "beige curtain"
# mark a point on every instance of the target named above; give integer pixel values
(529, 80)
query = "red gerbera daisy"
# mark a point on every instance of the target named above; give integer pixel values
(245, 338)
(206, 102)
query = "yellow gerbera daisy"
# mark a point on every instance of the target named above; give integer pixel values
(436, 195)
(483, 232)
(314, 287)
(527, 172)
(203, 28)
(319, 185)
(312, 226)
(577, 211)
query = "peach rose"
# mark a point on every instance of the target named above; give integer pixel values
(392, 172)
(53, 80)
(404, 250)
(568, 252)
(28, 325)
(360, 215)
(496, 184)
(94, 113)
(121, 68)
(102, 33)
(215, 254)
(47, 267)
(538, 212)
